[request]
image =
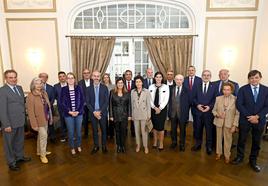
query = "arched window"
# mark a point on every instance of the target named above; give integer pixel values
(132, 18)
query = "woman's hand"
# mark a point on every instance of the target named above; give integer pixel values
(35, 128)
(129, 118)
(112, 119)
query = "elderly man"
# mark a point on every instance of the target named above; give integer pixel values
(178, 111)
(149, 78)
(12, 117)
(204, 100)
(224, 77)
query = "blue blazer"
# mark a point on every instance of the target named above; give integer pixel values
(145, 83)
(247, 107)
(57, 91)
(197, 83)
(219, 93)
(51, 93)
(207, 99)
(103, 99)
(66, 101)
(82, 84)
(184, 104)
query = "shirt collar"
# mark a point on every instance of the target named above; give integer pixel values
(252, 86)
(11, 86)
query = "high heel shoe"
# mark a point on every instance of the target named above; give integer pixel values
(138, 149)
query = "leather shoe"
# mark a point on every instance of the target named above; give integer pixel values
(255, 167)
(196, 148)
(104, 149)
(95, 150)
(209, 151)
(237, 161)
(14, 167)
(173, 146)
(182, 148)
(23, 159)
(123, 149)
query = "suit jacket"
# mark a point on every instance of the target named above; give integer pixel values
(145, 83)
(141, 106)
(82, 84)
(103, 99)
(66, 101)
(231, 113)
(247, 107)
(163, 95)
(120, 107)
(35, 109)
(12, 107)
(51, 93)
(207, 99)
(219, 93)
(132, 84)
(197, 82)
(184, 104)
(57, 90)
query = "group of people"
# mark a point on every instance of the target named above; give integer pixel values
(221, 107)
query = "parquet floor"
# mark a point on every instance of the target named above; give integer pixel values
(157, 168)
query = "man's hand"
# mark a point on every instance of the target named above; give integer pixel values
(8, 129)
(157, 110)
(253, 119)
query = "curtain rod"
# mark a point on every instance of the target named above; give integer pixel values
(196, 35)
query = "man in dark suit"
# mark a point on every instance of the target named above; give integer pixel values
(252, 103)
(129, 83)
(97, 98)
(204, 100)
(192, 83)
(224, 77)
(170, 78)
(12, 117)
(51, 96)
(57, 89)
(178, 111)
(84, 83)
(149, 78)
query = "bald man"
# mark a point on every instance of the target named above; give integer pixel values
(178, 111)
(149, 78)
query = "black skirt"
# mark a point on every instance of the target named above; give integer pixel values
(158, 120)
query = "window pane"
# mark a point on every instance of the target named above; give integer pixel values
(88, 12)
(184, 22)
(150, 22)
(112, 10)
(88, 23)
(174, 21)
(137, 69)
(112, 22)
(78, 23)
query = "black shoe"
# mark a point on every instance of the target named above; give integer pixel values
(255, 167)
(160, 149)
(123, 149)
(233, 146)
(95, 150)
(154, 146)
(14, 167)
(118, 150)
(173, 145)
(104, 149)
(237, 161)
(209, 151)
(182, 148)
(196, 148)
(24, 159)
(133, 135)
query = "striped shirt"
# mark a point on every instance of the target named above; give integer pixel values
(72, 98)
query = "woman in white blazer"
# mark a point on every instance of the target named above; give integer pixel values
(159, 100)
(141, 112)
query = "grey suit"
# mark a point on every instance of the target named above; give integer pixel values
(12, 114)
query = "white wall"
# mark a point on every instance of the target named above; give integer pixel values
(64, 8)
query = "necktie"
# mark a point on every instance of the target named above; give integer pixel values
(178, 95)
(16, 90)
(128, 86)
(255, 94)
(97, 105)
(149, 82)
(220, 86)
(205, 88)
(191, 83)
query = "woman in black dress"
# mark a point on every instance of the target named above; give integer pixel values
(120, 112)
(159, 100)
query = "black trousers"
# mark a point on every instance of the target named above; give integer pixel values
(204, 120)
(110, 128)
(256, 133)
(120, 129)
(51, 132)
(85, 120)
(174, 125)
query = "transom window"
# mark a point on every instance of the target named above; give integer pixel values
(132, 16)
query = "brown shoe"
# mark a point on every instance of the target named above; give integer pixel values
(218, 157)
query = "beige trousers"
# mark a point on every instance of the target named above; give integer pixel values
(224, 133)
(42, 141)
(140, 130)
